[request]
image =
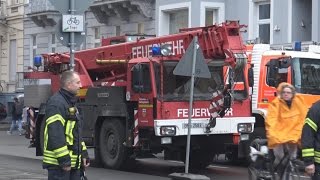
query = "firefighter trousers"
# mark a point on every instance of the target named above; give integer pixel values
(60, 174)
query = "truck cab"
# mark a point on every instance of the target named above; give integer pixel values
(276, 64)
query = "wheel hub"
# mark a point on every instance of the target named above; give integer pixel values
(111, 145)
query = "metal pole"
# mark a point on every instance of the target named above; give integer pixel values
(72, 10)
(191, 102)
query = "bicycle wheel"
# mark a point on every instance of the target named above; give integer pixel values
(291, 172)
(69, 22)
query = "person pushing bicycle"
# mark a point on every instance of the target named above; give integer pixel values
(284, 122)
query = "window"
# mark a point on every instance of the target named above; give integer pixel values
(14, 9)
(34, 46)
(32, 49)
(53, 43)
(140, 28)
(264, 22)
(264, 11)
(141, 82)
(178, 20)
(276, 73)
(173, 17)
(14, 2)
(13, 60)
(211, 13)
(118, 30)
(306, 75)
(97, 37)
(211, 17)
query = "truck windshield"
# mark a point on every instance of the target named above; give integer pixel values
(177, 88)
(306, 75)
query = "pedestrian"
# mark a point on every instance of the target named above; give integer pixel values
(310, 141)
(284, 122)
(17, 109)
(64, 151)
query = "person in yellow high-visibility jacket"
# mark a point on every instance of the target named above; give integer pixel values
(284, 122)
(64, 151)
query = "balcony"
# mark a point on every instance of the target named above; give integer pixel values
(42, 13)
(103, 9)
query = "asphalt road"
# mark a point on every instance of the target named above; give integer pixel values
(19, 162)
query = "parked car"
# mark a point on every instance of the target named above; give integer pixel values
(3, 111)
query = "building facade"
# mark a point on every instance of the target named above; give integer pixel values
(11, 43)
(104, 18)
(269, 21)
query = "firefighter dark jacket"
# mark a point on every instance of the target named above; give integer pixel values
(311, 136)
(284, 124)
(62, 131)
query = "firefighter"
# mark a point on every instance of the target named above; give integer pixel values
(310, 141)
(284, 122)
(64, 152)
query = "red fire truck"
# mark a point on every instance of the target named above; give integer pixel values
(133, 105)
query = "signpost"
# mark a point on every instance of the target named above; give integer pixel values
(191, 64)
(72, 23)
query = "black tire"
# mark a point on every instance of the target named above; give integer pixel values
(97, 158)
(41, 137)
(200, 159)
(112, 151)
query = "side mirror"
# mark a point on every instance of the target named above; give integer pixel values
(285, 63)
(250, 76)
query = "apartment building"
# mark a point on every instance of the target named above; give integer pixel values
(104, 18)
(269, 21)
(12, 14)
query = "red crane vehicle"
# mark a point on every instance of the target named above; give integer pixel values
(133, 105)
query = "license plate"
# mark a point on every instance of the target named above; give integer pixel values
(194, 125)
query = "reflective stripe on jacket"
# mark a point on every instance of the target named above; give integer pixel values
(51, 156)
(310, 139)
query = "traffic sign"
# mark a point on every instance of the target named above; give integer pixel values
(72, 23)
(184, 67)
(63, 6)
(64, 37)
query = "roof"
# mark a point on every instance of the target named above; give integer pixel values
(293, 54)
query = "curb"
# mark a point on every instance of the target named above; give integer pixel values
(4, 127)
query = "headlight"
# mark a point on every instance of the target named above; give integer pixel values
(168, 130)
(245, 128)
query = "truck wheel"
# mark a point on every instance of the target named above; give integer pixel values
(112, 151)
(43, 125)
(200, 159)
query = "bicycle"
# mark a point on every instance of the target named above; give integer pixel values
(262, 167)
(73, 20)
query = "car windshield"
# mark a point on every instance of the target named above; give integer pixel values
(306, 75)
(177, 88)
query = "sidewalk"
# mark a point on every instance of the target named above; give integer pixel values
(15, 145)
(5, 125)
